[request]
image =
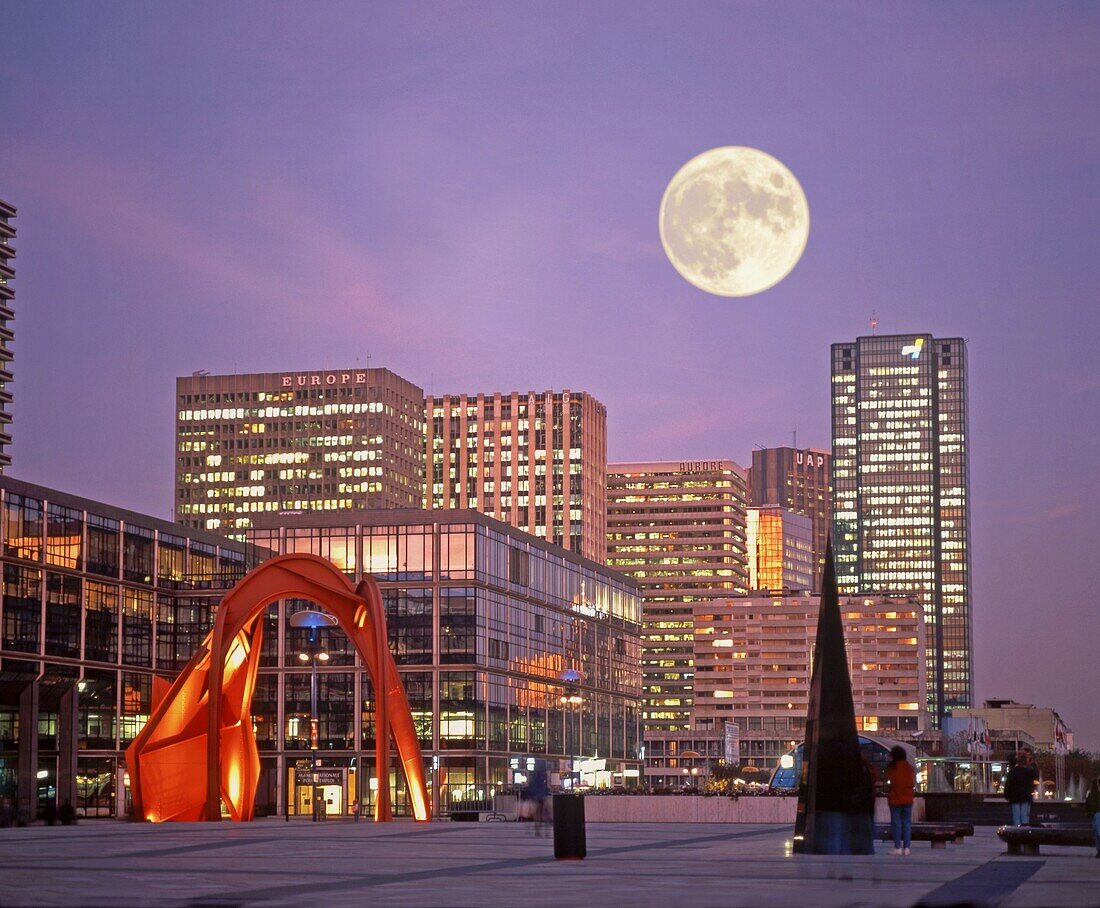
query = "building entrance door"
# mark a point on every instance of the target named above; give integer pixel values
(324, 790)
(333, 798)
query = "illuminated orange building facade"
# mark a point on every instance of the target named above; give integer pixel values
(798, 480)
(780, 549)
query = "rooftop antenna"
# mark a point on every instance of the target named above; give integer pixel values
(794, 437)
(874, 323)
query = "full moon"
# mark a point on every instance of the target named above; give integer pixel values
(734, 221)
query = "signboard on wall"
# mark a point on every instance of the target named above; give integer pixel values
(324, 777)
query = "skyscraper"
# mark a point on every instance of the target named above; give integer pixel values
(901, 518)
(536, 460)
(295, 441)
(799, 480)
(678, 530)
(7, 295)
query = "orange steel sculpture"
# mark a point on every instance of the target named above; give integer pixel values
(198, 749)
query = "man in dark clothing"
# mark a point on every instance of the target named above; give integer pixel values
(1092, 808)
(49, 812)
(1019, 789)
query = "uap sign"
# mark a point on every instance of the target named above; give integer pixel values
(809, 458)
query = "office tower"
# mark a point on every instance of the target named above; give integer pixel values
(901, 496)
(295, 441)
(7, 334)
(535, 460)
(798, 479)
(509, 648)
(780, 549)
(678, 529)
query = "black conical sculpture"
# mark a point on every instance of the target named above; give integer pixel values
(836, 789)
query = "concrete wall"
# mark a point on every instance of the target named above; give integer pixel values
(692, 809)
(687, 809)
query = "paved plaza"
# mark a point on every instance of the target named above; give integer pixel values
(504, 864)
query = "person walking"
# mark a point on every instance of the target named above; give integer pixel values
(1020, 788)
(538, 793)
(1092, 808)
(901, 779)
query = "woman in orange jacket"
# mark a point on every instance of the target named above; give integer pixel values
(901, 777)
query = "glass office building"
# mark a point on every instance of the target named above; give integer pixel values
(96, 600)
(901, 517)
(484, 622)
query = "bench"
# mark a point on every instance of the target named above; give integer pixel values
(1025, 840)
(938, 834)
(475, 815)
(465, 816)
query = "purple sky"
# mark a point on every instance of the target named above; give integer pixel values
(468, 195)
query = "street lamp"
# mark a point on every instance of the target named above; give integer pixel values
(570, 700)
(313, 654)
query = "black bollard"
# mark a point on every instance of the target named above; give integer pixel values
(569, 840)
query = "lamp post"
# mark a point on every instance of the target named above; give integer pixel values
(570, 700)
(313, 654)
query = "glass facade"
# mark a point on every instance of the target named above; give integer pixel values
(95, 601)
(799, 480)
(780, 549)
(482, 620)
(900, 477)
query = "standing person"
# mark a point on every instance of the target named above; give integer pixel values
(6, 814)
(1092, 808)
(66, 813)
(1019, 788)
(901, 776)
(49, 812)
(863, 819)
